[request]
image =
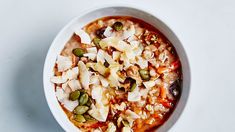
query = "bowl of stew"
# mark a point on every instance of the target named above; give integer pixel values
(116, 68)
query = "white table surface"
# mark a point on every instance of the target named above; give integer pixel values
(206, 28)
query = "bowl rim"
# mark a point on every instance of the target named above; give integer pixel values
(118, 5)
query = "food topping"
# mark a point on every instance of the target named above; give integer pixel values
(117, 26)
(78, 52)
(63, 63)
(85, 38)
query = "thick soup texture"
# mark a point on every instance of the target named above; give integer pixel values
(117, 74)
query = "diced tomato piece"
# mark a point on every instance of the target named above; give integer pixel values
(165, 103)
(175, 65)
(161, 70)
(163, 93)
(156, 115)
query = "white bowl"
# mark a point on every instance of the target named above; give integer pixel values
(87, 17)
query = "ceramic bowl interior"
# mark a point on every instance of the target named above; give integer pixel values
(78, 22)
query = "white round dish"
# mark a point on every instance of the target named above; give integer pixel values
(89, 16)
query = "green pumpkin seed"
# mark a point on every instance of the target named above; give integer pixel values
(79, 118)
(96, 41)
(117, 26)
(144, 74)
(80, 110)
(78, 52)
(88, 117)
(74, 95)
(125, 123)
(133, 86)
(83, 99)
(89, 102)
